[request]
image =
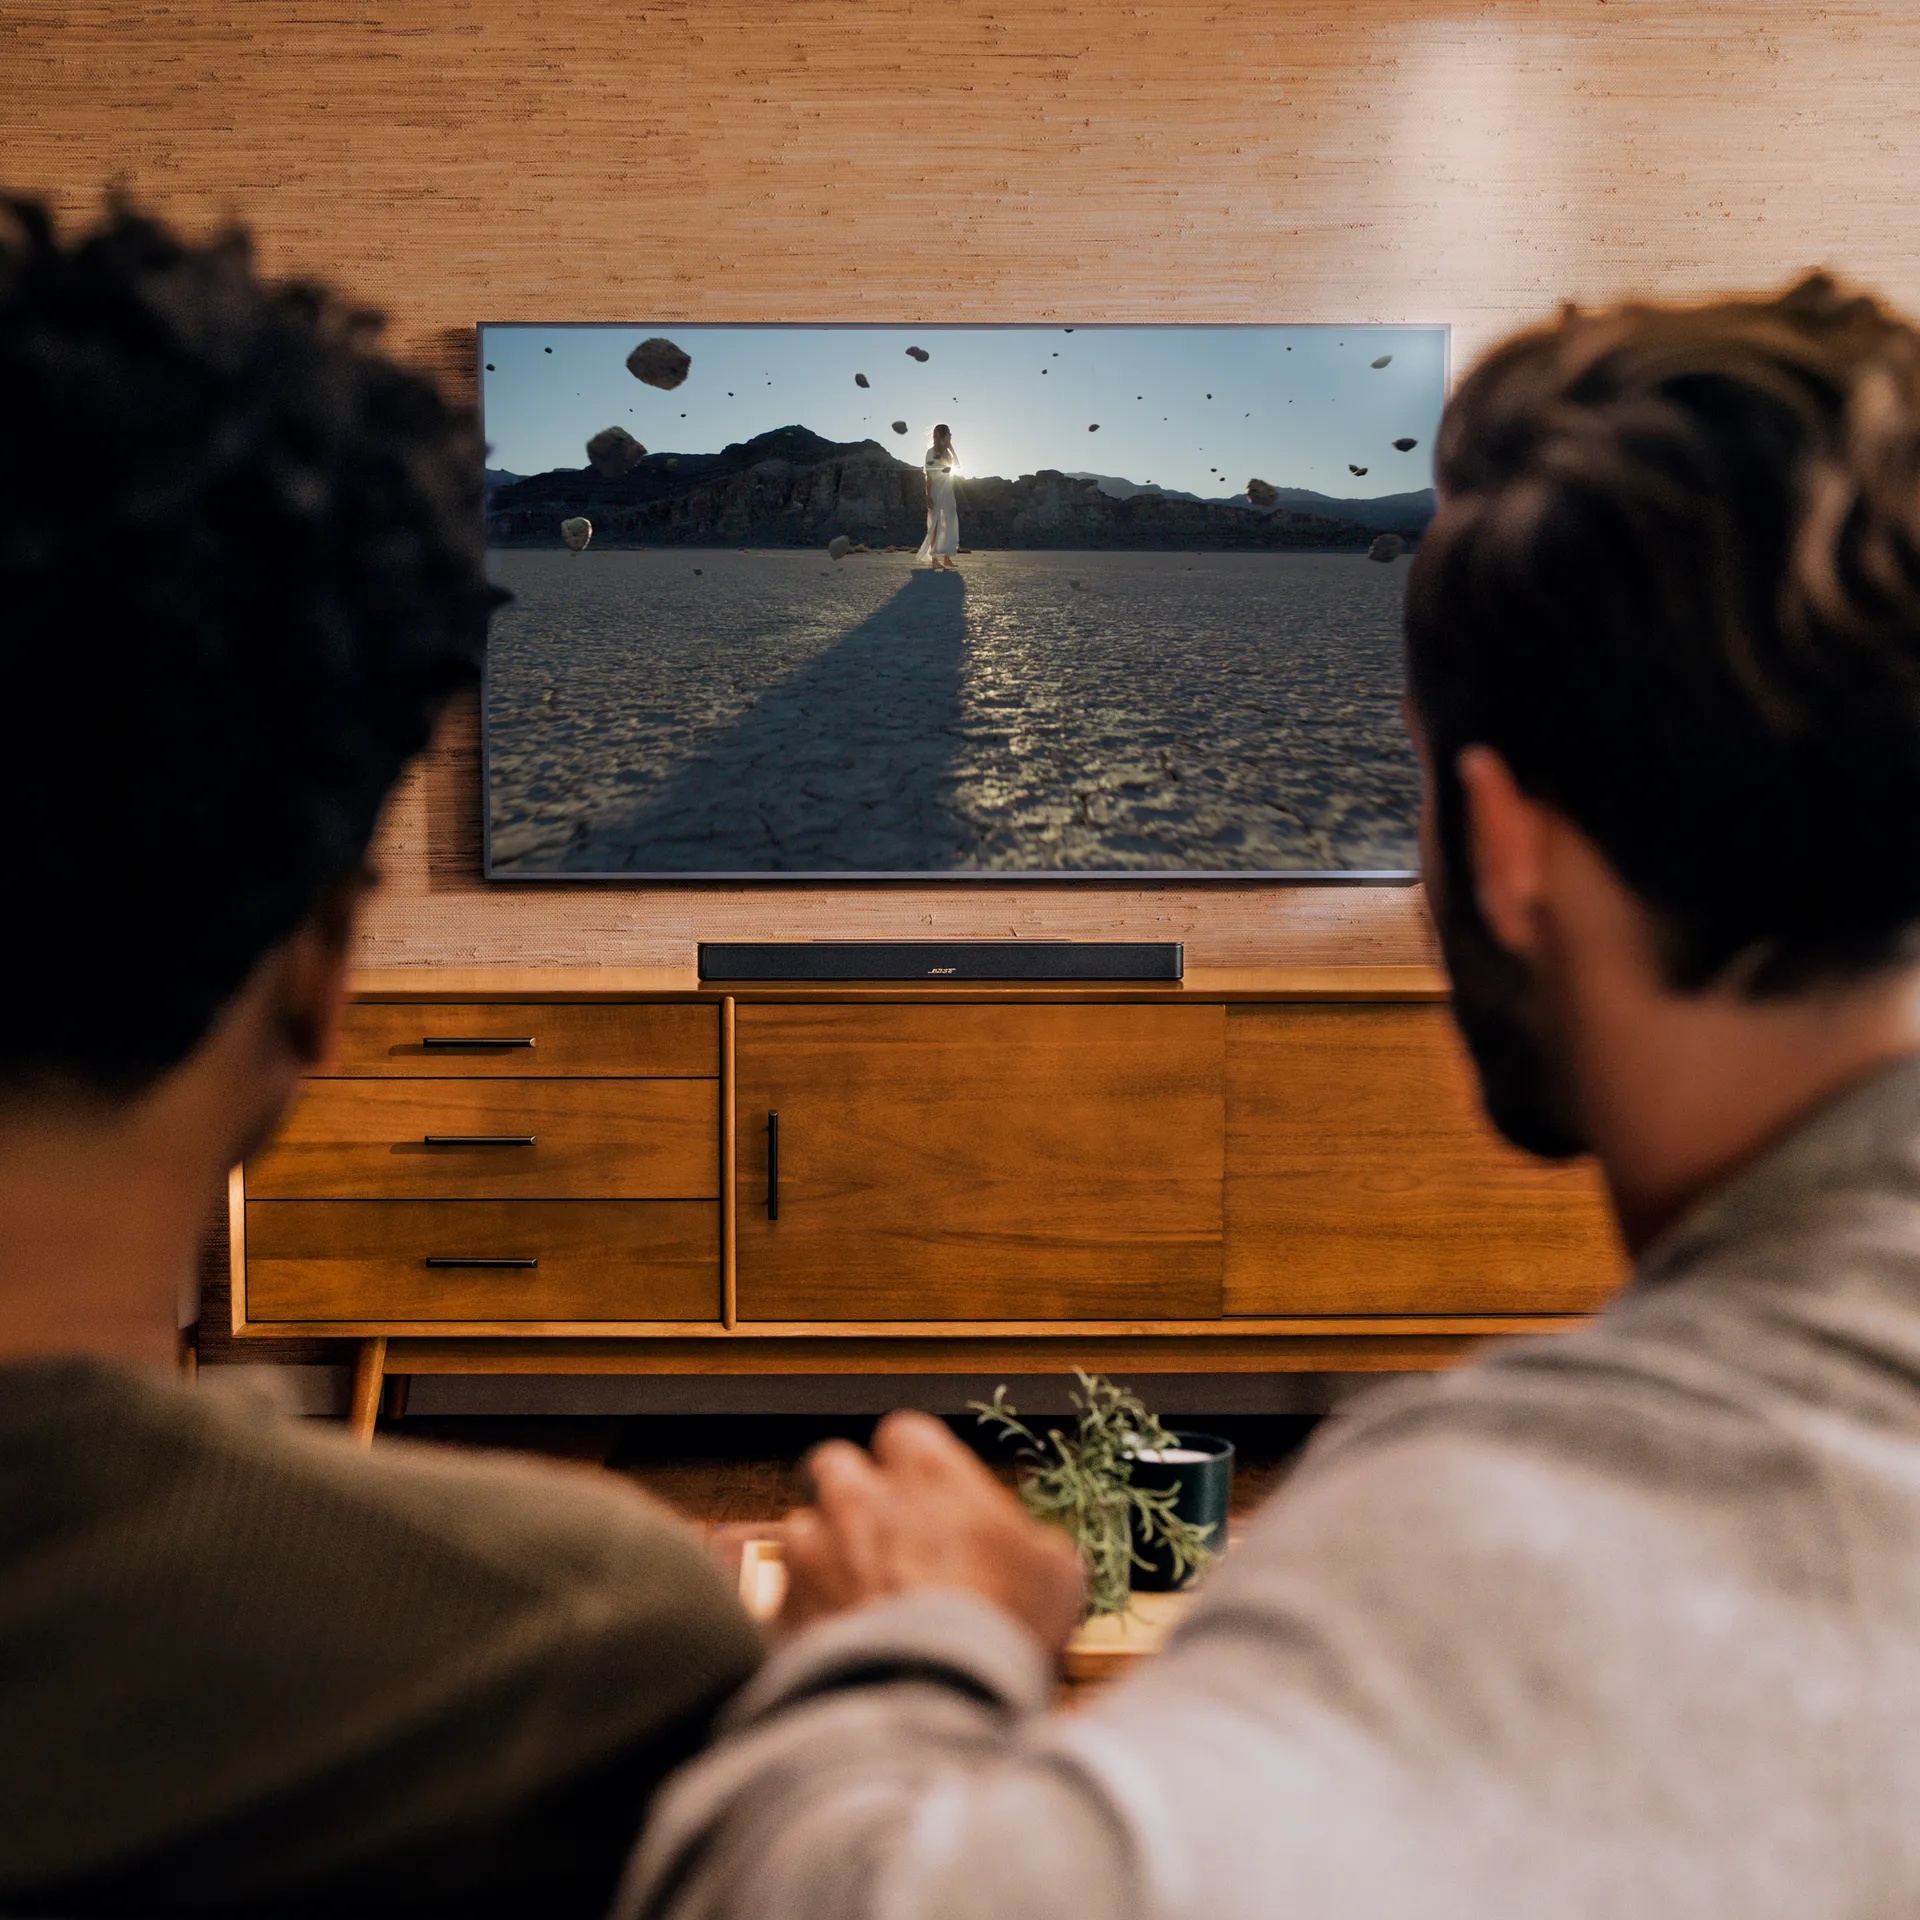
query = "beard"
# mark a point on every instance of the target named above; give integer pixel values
(1502, 1015)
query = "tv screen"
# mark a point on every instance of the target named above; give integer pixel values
(1074, 602)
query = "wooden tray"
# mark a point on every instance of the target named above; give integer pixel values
(1102, 1649)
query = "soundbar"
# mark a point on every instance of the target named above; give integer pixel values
(941, 959)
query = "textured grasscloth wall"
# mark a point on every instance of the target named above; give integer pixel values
(982, 160)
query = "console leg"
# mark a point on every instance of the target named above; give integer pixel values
(397, 1385)
(369, 1371)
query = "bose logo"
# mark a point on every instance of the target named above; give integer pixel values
(943, 970)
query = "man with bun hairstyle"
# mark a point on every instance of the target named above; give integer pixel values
(1621, 1623)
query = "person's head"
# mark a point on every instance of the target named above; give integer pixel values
(1670, 605)
(943, 438)
(240, 572)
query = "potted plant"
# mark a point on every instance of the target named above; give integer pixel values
(1093, 1483)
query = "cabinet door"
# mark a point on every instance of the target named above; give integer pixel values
(1362, 1178)
(976, 1162)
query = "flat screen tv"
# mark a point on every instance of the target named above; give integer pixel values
(1066, 602)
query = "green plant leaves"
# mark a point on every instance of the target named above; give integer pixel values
(1082, 1482)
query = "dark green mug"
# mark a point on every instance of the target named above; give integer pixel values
(1206, 1491)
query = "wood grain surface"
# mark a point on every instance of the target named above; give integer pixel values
(609, 1260)
(382, 1039)
(1361, 1178)
(421, 987)
(1469, 161)
(591, 1140)
(981, 1162)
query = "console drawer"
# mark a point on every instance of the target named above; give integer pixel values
(495, 1140)
(416, 1040)
(602, 1260)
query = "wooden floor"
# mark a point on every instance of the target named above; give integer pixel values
(726, 1469)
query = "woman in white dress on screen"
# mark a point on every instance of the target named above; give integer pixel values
(943, 517)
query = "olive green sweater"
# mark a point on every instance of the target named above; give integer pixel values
(247, 1666)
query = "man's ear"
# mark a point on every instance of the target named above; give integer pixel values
(1507, 845)
(312, 987)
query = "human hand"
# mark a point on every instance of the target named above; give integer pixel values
(921, 1511)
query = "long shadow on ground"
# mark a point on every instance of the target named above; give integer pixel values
(846, 766)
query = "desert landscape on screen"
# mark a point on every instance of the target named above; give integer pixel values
(1166, 640)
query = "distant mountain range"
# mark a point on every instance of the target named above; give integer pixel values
(1111, 483)
(1389, 513)
(1405, 513)
(792, 487)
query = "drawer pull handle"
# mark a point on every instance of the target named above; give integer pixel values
(477, 1260)
(773, 1166)
(480, 1040)
(476, 1140)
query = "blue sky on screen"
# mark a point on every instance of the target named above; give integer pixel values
(1195, 409)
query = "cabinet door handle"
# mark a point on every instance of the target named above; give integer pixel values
(773, 1165)
(476, 1260)
(482, 1040)
(476, 1140)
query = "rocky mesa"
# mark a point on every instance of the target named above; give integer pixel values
(792, 488)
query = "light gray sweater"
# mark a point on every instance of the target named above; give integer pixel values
(1625, 1623)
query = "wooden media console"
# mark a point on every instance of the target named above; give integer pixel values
(525, 1171)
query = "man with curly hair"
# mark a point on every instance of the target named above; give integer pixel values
(1625, 1623)
(246, 1668)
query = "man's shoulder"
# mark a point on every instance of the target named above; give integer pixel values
(197, 1496)
(1530, 1478)
(1643, 1402)
(236, 1608)
(87, 1442)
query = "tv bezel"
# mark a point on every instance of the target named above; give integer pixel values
(1109, 878)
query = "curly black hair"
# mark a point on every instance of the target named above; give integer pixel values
(1674, 579)
(241, 570)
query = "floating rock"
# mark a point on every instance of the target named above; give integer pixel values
(614, 451)
(1405, 446)
(899, 426)
(1385, 360)
(1386, 546)
(918, 353)
(861, 380)
(659, 363)
(839, 546)
(1263, 493)
(1351, 468)
(576, 533)
(1095, 428)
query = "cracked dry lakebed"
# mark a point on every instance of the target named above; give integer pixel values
(780, 712)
